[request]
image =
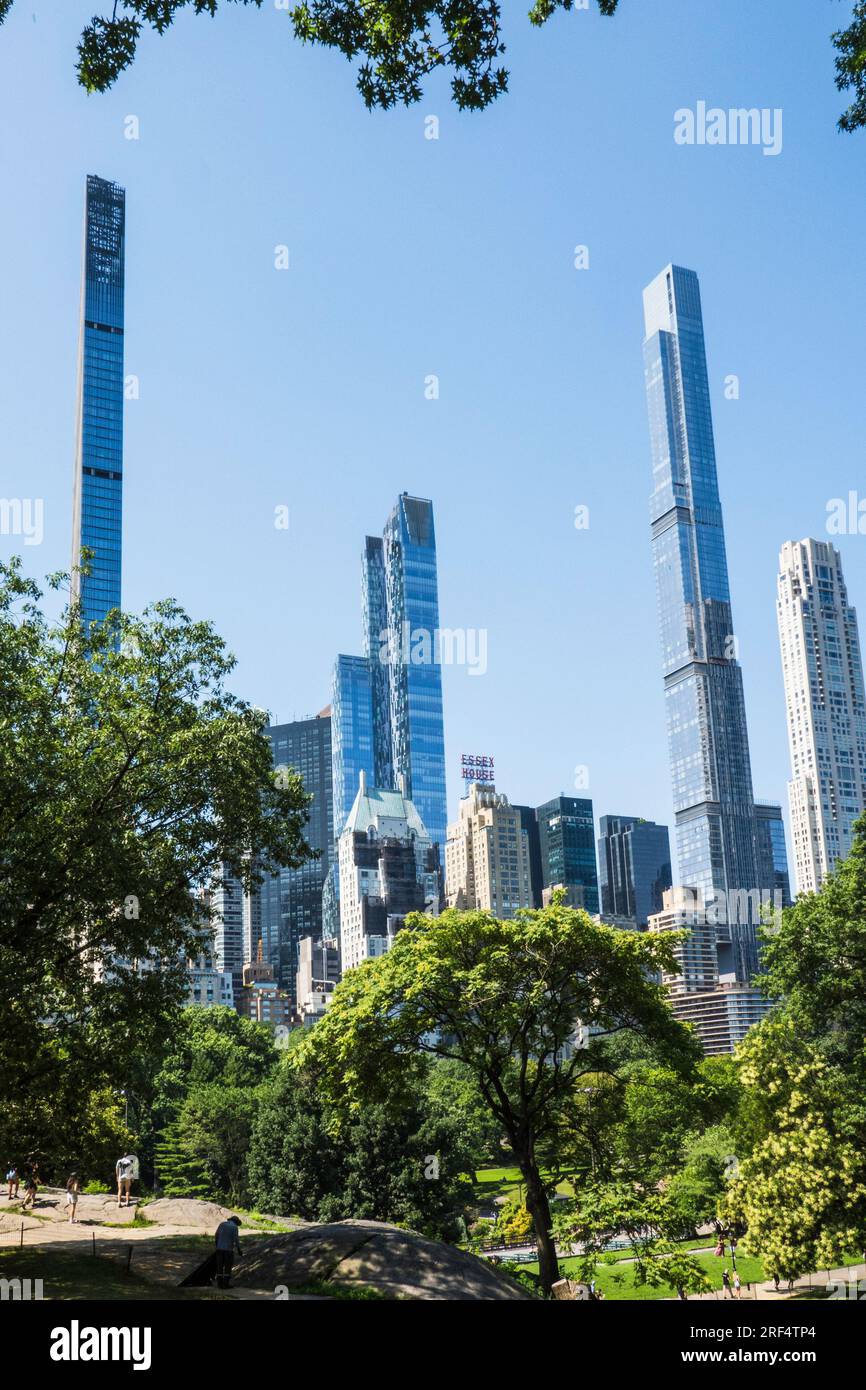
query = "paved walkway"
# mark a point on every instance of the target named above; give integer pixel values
(808, 1284)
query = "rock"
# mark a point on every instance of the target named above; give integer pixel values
(186, 1211)
(372, 1254)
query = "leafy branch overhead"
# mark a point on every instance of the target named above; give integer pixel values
(400, 43)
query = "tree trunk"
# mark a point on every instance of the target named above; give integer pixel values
(539, 1209)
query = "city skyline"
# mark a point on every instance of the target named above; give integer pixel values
(551, 429)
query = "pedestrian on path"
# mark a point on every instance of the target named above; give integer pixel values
(13, 1180)
(776, 1282)
(736, 1285)
(228, 1241)
(726, 1284)
(73, 1188)
(126, 1169)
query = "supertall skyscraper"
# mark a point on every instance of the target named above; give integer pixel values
(387, 704)
(826, 707)
(98, 481)
(716, 828)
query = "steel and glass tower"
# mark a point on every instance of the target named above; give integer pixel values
(716, 826)
(414, 669)
(98, 484)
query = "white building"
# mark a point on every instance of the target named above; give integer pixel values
(826, 707)
(487, 855)
(388, 868)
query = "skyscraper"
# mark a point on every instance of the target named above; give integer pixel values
(706, 717)
(634, 858)
(414, 670)
(98, 481)
(387, 704)
(289, 903)
(566, 833)
(772, 851)
(824, 696)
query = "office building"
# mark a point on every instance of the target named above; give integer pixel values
(823, 673)
(772, 849)
(97, 506)
(634, 862)
(318, 977)
(288, 905)
(566, 834)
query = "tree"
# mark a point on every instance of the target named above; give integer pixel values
(651, 1224)
(128, 777)
(401, 42)
(400, 1163)
(204, 1151)
(801, 1133)
(503, 998)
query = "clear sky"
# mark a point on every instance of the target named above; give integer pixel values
(409, 257)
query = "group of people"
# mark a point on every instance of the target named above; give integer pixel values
(30, 1180)
(126, 1172)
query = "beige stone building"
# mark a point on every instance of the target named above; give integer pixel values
(487, 855)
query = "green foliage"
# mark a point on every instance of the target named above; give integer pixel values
(128, 776)
(66, 1131)
(501, 998)
(205, 1150)
(850, 46)
(801, 1185)
(513, 1222)
(403, 1164)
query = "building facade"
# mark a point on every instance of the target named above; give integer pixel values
(97, 505)
(634, 861)
(387, 703)
(720, 1007)
(708, 742)
(389, 867)
(772, 849)
(822, 668)
(288, 905)
(566, 833)
(487, 862)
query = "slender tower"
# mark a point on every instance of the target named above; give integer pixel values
(716, 826)
(826, 707)
(98, 484)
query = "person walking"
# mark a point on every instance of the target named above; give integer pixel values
(736, 1285)
(726, 1284)
(776, 1282)
(73, 1188)
(228, 1241)
(13, 1180)
(125, 1171)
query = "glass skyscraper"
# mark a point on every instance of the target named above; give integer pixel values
(634, 858)
(387, 704)
(288, 905)
(98, 484)
(716, 825)
(566, 836)
(415, 673)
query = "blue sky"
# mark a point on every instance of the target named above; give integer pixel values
(455, 257)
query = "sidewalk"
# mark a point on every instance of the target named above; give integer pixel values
(807, 1284)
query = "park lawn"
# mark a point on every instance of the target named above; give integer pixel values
(501, 1182)
(70, 1274)
(616, 1281)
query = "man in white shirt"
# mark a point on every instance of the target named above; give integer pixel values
(125, 1170)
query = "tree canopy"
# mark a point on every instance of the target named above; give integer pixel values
(129, 776)
(503, 998)
(400, 43)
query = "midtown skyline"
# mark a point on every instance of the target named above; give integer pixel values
(250, 396)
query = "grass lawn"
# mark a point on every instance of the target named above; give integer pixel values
(616, 1281)
(70, 1274)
